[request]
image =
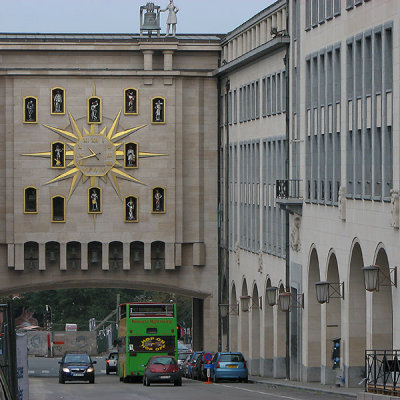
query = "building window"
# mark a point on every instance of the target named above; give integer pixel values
(58, 209)
(30, 200)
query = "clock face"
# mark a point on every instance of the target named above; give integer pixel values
(94, 155)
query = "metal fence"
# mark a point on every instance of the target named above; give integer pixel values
(382, 372)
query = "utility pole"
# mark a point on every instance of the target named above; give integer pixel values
(117, 314)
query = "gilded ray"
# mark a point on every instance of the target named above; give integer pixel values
(92, 181)
(118, 164)
(143, 154)
(92, 130)
(44, 154)
(124, 175)
(115, 185)
(75, 181)
(103, 131)
(71, 163)
(75, 126)
(63, 176)
(62, 132)
(119, 153)
(113, 126)
(69, 153)
(121, 135)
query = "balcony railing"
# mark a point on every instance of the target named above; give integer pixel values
(287, 189)
(382, 372)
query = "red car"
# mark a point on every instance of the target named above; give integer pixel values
(162, 369)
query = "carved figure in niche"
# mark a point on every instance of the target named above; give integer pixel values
(131, 107)
(58, 101)
(394, 202)
(131, 155)
(260, 261)
(172, 20)
(158, 110)
(295, 242)
(237, 251)
(30, 109)
(57, 155)
(131, 209)
(94, 111)
(342, 203)
(158, 200)
(94, 200)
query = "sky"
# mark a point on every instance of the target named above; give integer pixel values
(122, 16)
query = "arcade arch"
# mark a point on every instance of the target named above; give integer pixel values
(255, 332)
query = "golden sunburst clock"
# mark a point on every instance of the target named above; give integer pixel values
(92, 155)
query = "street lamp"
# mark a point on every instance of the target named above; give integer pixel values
(271, 293)
(244, 302)
(375, 276)
(371, 278)
(284, 301)
(327, 290)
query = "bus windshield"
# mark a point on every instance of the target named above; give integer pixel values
(140, 310)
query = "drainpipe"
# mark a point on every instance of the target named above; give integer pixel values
(287, 173)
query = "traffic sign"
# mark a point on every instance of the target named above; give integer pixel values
(208, 356)
(208, 366)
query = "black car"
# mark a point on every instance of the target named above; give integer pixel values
(112, 363)
(76, 366)
(199, 372)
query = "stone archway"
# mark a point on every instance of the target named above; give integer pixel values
(255, 332)
(267, 362)
(233, 320)
(313, 362)
(333, 322)
(244, 322)
(382, 309)
(357, 318)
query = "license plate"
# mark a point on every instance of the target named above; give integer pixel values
(79, 374)
(232, 366)
(165, 377)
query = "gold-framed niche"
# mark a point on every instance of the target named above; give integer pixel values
(158, 110)
(131, 155)
(131, 101)
(131, 209)
(57, 159)
(31, 197)
(57, 101)
(58, 213)
(158, 200)
(30, 106)
(95, 200)
(95, 110)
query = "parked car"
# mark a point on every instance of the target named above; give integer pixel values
(162, 369)
(182, 357)
(185, 366)
(112, 363)
(199, 372)
(229, 366)
(76, 366)
(192, 363)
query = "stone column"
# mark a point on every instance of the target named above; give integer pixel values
(42, 257)
(63, 256)
(19, 256)
(147, 256)
(84, 256)
(148, 60)
(126, 262)
(168, 60)
(169, 256)
(105, 265)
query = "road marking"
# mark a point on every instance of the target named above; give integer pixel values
(103, 371)
(45, 371)
(259, 392)
(31, 371)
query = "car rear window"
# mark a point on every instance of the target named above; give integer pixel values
(113, 356)
(77, 358)
(231, 358)
(163, 361)
(196, 356)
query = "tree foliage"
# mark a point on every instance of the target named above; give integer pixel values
(79, 305)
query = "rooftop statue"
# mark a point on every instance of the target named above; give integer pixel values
(173, 10)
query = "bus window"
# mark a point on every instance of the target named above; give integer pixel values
(151, 331)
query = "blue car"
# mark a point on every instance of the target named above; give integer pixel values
(229, 366)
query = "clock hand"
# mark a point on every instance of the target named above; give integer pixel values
(93, 153)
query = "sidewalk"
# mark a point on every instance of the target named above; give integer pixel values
(314, 386)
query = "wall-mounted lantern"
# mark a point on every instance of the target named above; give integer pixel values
(272, 294)
(327, 290)
(288, 300)
(374, 276)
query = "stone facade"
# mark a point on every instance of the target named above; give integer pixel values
(180, 70)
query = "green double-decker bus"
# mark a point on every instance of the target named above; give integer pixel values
(145, 330)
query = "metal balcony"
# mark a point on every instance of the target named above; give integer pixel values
(288, 195)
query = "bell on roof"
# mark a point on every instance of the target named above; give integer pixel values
(150, 21)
